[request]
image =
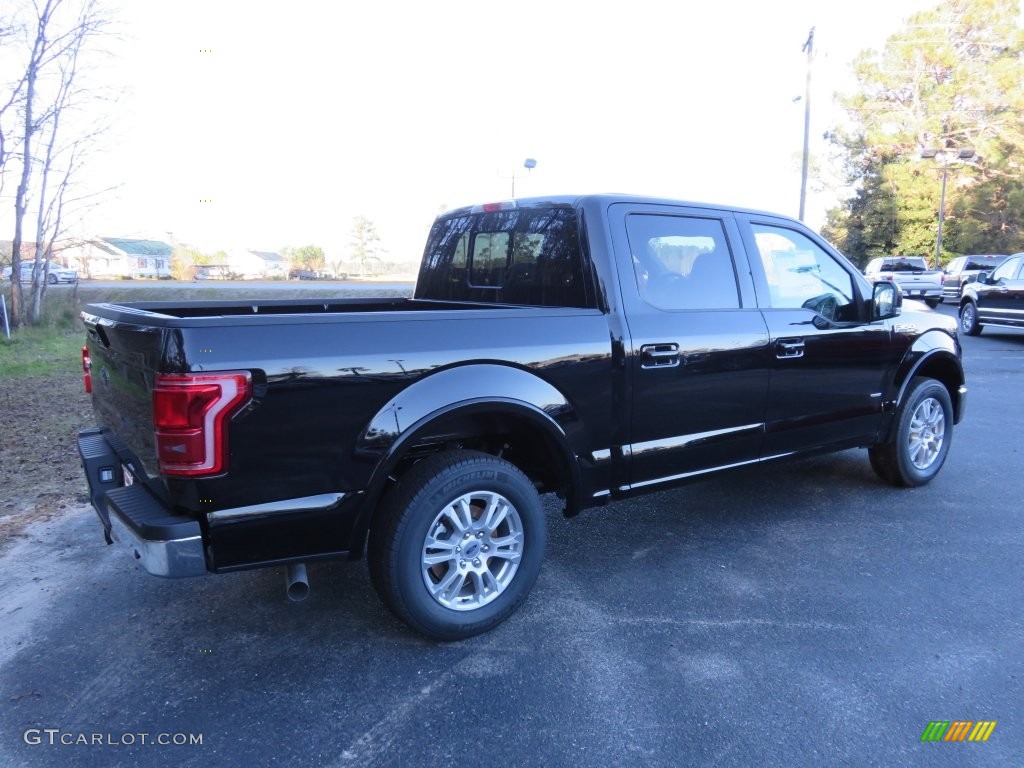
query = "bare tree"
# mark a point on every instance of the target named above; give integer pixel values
(59, 31)
(11, 101)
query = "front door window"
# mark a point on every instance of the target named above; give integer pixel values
(801, 275)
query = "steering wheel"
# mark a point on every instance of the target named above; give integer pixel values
(825, 305)
(829, 307)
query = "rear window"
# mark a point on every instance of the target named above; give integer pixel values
(528, 256)
(904, 265)
(983, 262)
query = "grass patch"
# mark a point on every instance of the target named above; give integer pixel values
(40, 351)
(52, 346)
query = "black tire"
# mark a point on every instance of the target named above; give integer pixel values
(969, 319)
(933, 303)
(52, 279)
(920, 439)
(881, 464)
(419, 521)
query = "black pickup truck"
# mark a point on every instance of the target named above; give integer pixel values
(593, 347)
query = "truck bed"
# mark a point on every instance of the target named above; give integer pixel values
(158, 313)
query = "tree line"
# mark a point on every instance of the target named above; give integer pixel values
(363, 255)
(944, 97)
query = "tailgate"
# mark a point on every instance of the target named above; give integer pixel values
(124, 359)
(919, 282)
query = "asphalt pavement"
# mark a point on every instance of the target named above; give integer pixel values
(802, 614)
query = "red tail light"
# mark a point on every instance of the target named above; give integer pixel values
(86, 368)
(190, 415)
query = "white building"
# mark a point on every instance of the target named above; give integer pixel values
(257, 265)
(120, 257)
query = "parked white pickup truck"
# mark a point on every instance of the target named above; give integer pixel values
(911, 274)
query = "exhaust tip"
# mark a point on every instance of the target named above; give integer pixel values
(296, 582)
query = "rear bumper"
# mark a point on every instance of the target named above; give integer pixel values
(165, 544)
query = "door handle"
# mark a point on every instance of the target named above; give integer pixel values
(659, 355)
(789, 349)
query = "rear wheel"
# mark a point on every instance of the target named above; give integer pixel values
(969, 319)
(458, 544)
(917, 449)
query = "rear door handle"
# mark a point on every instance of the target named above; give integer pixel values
(659, 355)
(789, 348)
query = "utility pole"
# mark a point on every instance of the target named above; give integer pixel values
(809, 50)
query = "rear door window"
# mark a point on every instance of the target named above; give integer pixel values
(682, 262)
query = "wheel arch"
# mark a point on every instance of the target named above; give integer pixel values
(935, 355)
(965, 300)
(500, 410)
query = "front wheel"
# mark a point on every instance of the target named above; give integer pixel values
(969, 319)
(917, 449)
(458, 544)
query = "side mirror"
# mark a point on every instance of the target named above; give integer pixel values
(886, 300)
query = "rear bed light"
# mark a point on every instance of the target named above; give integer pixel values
(190, 417)
(504, 205)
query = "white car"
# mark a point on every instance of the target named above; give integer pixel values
(56, 274)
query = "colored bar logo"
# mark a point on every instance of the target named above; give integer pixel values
(958, 730)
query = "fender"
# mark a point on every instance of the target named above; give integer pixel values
(471, 388)
(938, 353)
(442, 391)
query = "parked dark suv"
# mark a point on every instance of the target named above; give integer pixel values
(964, 269)
(995, 298)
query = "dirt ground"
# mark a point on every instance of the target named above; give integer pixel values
(40, 473)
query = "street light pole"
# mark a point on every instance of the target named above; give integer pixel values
(942, 214)
(944, 156)
(529, 164)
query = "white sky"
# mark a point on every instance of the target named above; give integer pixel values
(309, 113)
